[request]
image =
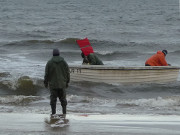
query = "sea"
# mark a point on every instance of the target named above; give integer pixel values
(121, 32)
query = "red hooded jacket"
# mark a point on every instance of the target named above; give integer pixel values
(157, 59)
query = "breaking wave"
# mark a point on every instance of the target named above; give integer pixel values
(19, 100)
(154, 102)
(176, 52)
(93, 42)
(69, 41)
(4, 74)
(110, 49)
(23, 85)
(151, 102)
(142, 105)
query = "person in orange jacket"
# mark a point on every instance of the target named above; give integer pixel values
(158, 59)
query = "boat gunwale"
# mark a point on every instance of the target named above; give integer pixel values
(103, 67)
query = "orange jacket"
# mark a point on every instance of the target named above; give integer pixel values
(157, 59)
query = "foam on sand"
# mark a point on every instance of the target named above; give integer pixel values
(88, 124)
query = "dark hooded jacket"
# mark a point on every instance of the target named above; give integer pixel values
(57, 73)
(94, 60)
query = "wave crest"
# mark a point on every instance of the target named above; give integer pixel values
(4, 74)
(25, 83)
(18, 100)
(22, 86)
(69, 41)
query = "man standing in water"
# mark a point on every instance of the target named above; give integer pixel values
(57, 77)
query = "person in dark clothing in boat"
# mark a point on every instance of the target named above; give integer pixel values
(57, 77)
(85, 60)
(158, 59)
(92, 59)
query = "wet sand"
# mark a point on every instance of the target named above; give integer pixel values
(35, 124)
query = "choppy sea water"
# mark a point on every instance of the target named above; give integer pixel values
(122, 33)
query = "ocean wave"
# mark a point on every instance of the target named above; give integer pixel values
(29, 42)
(121, 54)
(98, 45)
(4, 74)
(95, 43)
(177, 52)
(18, 100)
(22, 86)
(69, 41)
(25, 83)
(153, 102)
(3, 51)
(172, 18)
(159, 102)
(69, 47)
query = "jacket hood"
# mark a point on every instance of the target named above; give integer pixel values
(160, 52)
(57, 59)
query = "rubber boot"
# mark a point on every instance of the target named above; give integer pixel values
(64, 109)
(53, 109)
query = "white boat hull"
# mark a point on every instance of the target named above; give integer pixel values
(121, 75)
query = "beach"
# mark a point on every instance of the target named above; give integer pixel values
(83, 124)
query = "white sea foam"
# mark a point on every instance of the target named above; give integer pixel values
(156, 102)
(152, 102)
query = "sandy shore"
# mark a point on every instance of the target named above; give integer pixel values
(35, 124)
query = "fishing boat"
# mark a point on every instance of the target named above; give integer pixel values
(124, 75)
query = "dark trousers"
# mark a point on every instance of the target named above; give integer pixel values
(61, 94)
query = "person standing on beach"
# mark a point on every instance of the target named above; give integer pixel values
(158, 59)
(57, 77)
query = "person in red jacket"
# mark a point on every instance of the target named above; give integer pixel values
(157, 59)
